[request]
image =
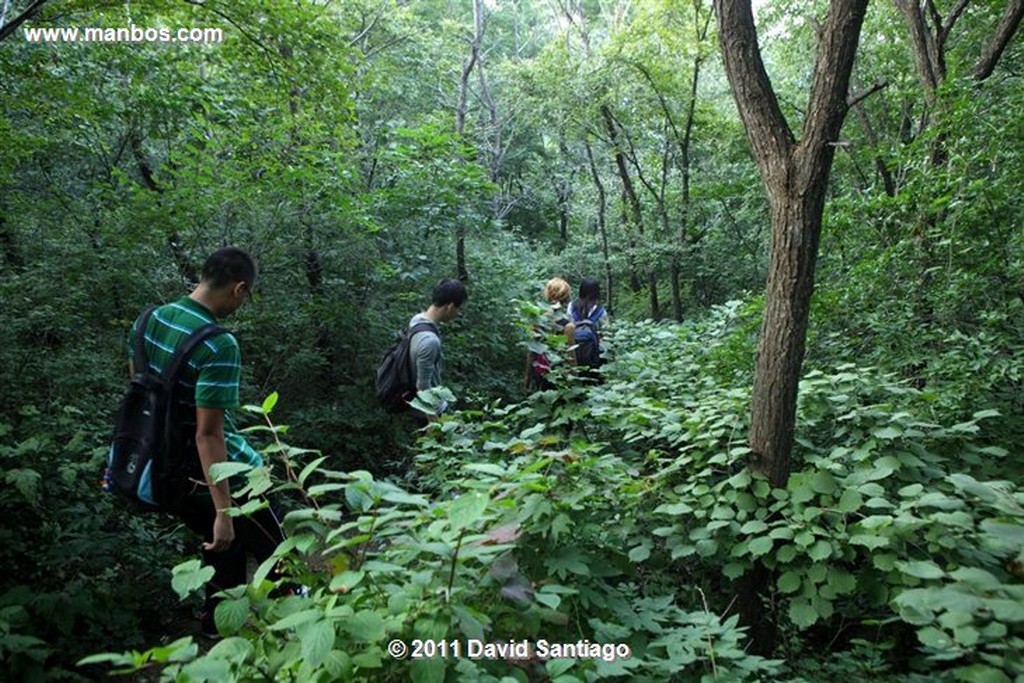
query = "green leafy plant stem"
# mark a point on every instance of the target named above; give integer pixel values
(455, 559)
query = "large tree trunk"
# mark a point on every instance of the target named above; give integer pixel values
(795, 175)
(796, 226)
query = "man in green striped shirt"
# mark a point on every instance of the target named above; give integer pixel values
(207, 389)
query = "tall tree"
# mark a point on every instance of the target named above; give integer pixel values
(460, 121)
(795, 174)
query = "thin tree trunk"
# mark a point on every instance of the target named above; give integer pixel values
(634, 216)
(460, 124)
(602, 204)
(187, 269)
(8, 243)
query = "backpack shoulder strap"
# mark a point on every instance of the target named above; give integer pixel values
(596, 314)
(139, 359)
(170, 373)
(422, 327)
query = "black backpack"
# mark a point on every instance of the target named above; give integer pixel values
(395, 382)
(152, 459)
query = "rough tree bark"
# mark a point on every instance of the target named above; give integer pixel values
(795, 175)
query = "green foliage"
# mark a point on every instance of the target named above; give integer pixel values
(323, 139)
(623, 512)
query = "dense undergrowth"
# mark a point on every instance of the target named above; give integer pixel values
(625, 512)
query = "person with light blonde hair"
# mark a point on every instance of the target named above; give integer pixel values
(557, 291)
(556, 320)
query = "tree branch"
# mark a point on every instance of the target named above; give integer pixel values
(369, 27)
(756, 101)
(7, 30)
(946, 27)
(856, 98)
(1008, 25)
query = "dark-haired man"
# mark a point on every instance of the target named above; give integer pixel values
(425, 345)
(207, 389)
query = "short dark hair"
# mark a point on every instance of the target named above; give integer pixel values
(227, 266)
(449, 292)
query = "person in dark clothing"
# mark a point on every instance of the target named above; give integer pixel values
(207, 390)
(589, 318)
(555, 320)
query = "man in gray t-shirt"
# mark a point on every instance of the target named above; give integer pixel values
(425, 345)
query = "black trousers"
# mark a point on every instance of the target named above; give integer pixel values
(257, 535)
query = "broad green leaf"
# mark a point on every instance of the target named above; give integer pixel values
(754, 526)
(317, 640)
(786, 554)
(983, 673)
(1011, 534)
(820, 550)
(231, 614)
(346, 581)
(823, 482)
(487, 468)
(802, 614)
(640, 552)
(789, 582)
(557, 667)
(922, 569)
(220, 471)
(427, 670)
(850, 501)
(467, 509)
(1010, 611)
(887, 433)
(760, 546)
(297, 619)
(189, 577)
(310, 469)
(366, 626)
(933, 637)
(884, 562)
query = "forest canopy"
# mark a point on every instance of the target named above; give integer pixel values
(800, 459)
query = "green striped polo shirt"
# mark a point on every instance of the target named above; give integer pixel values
(212, 374)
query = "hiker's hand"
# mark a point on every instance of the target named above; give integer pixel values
(223, 533)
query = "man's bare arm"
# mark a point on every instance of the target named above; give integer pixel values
(212, 450)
